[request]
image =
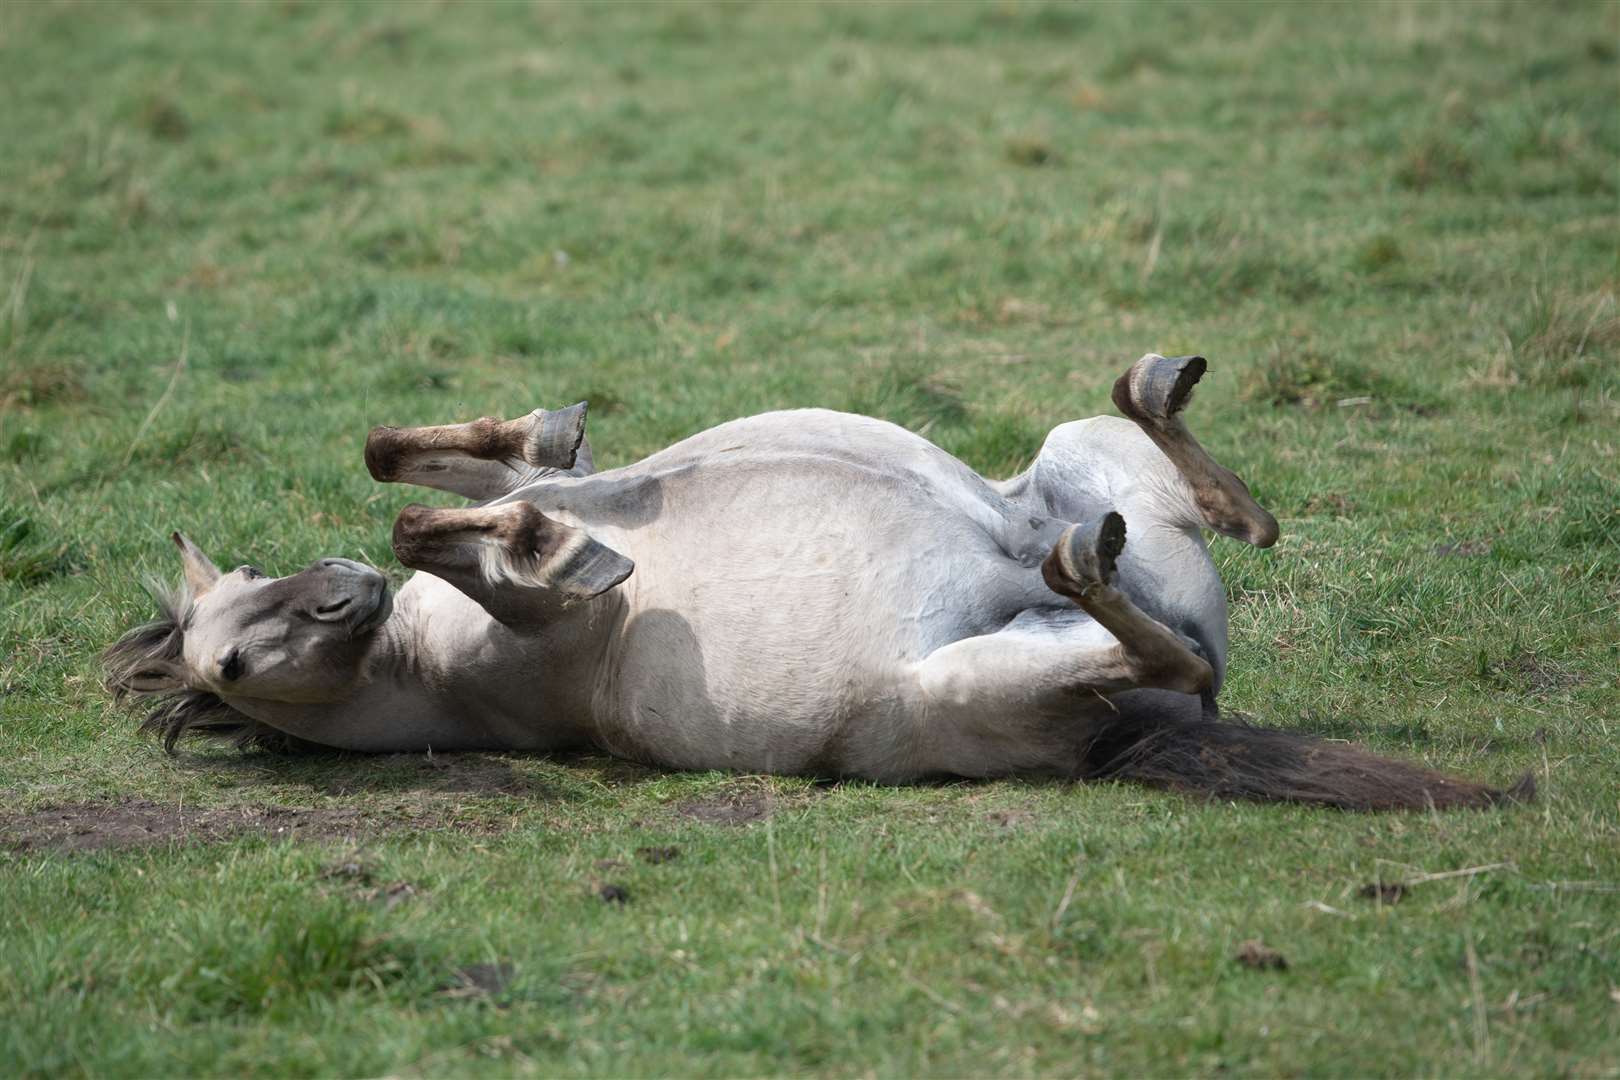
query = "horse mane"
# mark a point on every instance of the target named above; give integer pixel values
(148, 652)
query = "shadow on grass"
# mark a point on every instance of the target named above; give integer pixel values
(339, 773)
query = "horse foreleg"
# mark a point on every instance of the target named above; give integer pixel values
(513, 560)
(485, 458)
(1153, 393)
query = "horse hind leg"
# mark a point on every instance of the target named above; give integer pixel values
(1024, 697)
(1153, 394)
(485, 458)
(1082, 568)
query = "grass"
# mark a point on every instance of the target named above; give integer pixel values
(1393, 233)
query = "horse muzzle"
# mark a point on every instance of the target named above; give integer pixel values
(353, 593)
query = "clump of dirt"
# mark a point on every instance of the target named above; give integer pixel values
(1259, 956)
(1330, 503)
(735, 807)
(349, 870)
(390, 895)
(657, 855)
(1385, 892)
(1011, 819)
(613, 894)
(479, 980)
(140, 823)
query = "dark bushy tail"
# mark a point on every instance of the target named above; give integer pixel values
(1227, 759)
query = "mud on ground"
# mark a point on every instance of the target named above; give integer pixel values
(141, 823)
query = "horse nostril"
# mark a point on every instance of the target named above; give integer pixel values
(334, 607)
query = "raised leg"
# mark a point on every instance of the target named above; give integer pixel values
(1153, 393)
(1081, 567)
(1008, 699)
(483, 459)
(512, 559)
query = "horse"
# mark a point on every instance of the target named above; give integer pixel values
(802, 592)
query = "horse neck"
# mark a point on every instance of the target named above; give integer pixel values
(444, 675)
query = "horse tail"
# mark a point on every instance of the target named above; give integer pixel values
(1237, 760)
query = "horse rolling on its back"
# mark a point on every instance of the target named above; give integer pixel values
(799, 592)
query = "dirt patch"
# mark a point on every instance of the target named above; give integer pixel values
(613, 894)
(1543, 676)
(728, 808)
(1259, 956)
(140, 823)
(1529, 672)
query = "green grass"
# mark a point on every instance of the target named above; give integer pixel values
(234, 238)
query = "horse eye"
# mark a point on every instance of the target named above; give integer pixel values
(251, 572)
(231, 669)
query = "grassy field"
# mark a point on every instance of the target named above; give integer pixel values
(234, 238)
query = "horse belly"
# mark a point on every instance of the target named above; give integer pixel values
(768, 640)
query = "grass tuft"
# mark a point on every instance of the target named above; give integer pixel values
(163, 118)
(1560, 340)
(1310, 379)
(36, 385)
(271, 960)
(28, 556)
(1030, 151)
(909, 391)
(1434, 161)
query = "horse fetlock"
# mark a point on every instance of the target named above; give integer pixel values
(1084, 560)
(1181, 671)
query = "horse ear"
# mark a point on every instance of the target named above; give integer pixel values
(201, 573)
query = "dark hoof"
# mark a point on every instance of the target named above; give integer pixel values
(1157, 387)
(553, 438)
(1085, 554)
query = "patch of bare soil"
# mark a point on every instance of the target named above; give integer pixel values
(735, 807)
(1543, 676)
(139, 823)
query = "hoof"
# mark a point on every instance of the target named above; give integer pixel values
(1085, 555)
(1157, 387)
(553, 438)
